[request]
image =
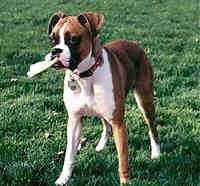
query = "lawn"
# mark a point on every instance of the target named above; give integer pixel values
(32, 113)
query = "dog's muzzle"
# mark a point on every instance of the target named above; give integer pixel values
(56, 51)
(60, 54)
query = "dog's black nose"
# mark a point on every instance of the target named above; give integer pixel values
(55, 51)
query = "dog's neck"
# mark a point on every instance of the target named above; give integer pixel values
(86, 63)
(94, 57)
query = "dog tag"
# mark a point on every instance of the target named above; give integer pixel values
(73, 85)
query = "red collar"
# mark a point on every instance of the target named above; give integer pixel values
(89, 72)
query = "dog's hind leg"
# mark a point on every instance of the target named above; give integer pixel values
(73, 138)
(144, 99)
(106, 133)
(120, 138)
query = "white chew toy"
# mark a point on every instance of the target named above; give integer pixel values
(40, 67)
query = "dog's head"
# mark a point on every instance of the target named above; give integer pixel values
(72, 37)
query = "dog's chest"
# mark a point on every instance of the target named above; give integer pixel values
(91, 96)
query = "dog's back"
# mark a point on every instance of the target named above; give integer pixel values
(133, 60)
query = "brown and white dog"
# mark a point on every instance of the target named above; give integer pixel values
(98, 78)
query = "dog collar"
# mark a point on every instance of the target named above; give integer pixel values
(98, 60)
(91, 70)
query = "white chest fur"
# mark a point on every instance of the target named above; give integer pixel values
(95, 95)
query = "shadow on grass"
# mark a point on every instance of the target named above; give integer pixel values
(178, 165)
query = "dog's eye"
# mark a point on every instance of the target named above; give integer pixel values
(75, 40)
(54, 40)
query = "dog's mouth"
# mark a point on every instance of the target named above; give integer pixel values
(63, 62)
(65, 58)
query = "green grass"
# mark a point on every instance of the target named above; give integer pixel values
(169, 32)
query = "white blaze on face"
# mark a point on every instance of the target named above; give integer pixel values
(65, 55)
(62, 36)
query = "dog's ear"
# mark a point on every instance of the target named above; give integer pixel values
(54, 19)
(92, 20)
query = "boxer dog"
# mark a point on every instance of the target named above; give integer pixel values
(97, 80)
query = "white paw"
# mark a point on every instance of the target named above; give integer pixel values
(101, 145)
(155, 153)
(62, 180)
(82, 142)
(79, 146)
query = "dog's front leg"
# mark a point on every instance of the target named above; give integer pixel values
(73, 138)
